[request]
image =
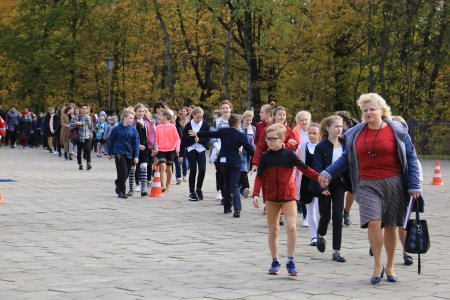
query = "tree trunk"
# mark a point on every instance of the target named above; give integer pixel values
(170, 80)
(226, 66)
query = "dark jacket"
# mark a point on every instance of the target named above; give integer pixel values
(231, 139)
(275, 175)
(187, 140)
(323, 157)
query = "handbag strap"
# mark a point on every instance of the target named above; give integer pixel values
(418, 255)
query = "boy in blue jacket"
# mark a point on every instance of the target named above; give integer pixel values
(124, 144)
(230, 160)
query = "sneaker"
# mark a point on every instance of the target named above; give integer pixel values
(199, 194)
(144, 193)
(275, 267)
(178, 180)
(321, 243)
(237, 214)
(80, 167)
(227, 211)
(193, 197)
(130, 193)
(137, 188)
(246, 193)
(347, 219)
(290, 266)
(281, 221)
(122, 196)
(88, 167)
(184, 179)
(337, 256)
(313, 242)
(305, 223)
(219, 195)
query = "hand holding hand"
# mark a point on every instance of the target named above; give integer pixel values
(254, 168)
(323, 181)
(142, 147)
(192, 133)
(326, 193)
(415, 195)
(135, 160)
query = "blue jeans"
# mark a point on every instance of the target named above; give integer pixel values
(178, 167)
(231, 175)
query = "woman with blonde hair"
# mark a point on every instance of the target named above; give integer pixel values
(384, 169)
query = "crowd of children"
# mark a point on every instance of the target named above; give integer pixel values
(287, 160)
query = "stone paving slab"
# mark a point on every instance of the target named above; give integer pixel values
(65, 235)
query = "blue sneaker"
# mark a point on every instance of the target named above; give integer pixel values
(275, 267)
(290, 266)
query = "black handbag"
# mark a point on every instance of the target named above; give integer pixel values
(417, 238)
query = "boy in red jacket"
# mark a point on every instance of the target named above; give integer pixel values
(275, 175)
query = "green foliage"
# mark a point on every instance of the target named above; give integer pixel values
(317, 55)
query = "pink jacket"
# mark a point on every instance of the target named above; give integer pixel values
(167, 138)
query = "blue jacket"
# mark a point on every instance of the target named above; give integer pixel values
(124, 141)
(405, 149)
(232, 139)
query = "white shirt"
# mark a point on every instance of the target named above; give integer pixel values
(337, 152)
(199, 147)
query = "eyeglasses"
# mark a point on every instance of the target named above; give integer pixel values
(271, 139)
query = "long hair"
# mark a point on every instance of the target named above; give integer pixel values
(327, 122)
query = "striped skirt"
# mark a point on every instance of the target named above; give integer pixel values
(382, 199)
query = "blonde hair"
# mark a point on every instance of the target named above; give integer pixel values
(327, 122)
(248, 114)
(127, 111)
(279, 129)
(139, 105)
(399, 119)
(302, 112)
(268, 108)
(197, 110)
(385, 109)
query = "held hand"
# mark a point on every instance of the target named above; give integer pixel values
(326, 193)
(415, 195)
(323, 181)
(192, 133)
(196, 139)
(135, 160)
(255, 201)
(142, 147)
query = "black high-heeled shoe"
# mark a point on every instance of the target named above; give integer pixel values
(375, 280)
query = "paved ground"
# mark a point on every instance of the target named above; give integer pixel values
(65, 235)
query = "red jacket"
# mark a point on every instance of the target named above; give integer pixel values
(261, 146)
(2, 127)
(275, 175)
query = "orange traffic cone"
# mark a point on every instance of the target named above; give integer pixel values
(156, 191)
(437, 179)
(2, 201)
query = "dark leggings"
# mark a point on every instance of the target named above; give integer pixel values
(196, 159)
(336, 202)
(86, 147)
(244, 181)
(219, 176)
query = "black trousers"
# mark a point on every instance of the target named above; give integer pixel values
(195, 160)
(219, 176)
(326, 203)
(123, 166)
(244, 181)
(86, 147)
(231, 176)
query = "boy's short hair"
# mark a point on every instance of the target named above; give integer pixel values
(182, 118)
(279, 129)
(197, 110)
(247, 114)
(234, 120)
